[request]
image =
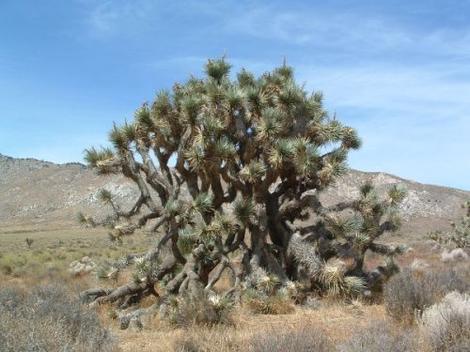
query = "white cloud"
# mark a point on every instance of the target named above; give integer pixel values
(111, 17)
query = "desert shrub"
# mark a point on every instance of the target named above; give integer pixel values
(260, 303)
(380, 336)
(446, 325)
(47, 319)
(305, 338)
(202, 309)
(407, 294)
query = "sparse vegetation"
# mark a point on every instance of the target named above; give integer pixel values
(409, 293)
(306, 338)
(48, 319)
(381, 336)
(446, 325)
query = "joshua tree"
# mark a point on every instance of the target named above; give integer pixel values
(459, 236)
(229, 172)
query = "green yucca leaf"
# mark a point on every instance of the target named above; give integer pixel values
(224, 148)
(173, 207)
(203, 203)
(118, 138)
(186, 240)
(350, 138)
(223, 224)
(271, 124)
(143, 117)
(281, 152)
(396, 194)
(128, 129)
(322, 133)
(195, 86)
(342, 227)
(244, 209)
(354, 285)
(234, 97)
(253, 172)
(361, 239)
(217, 69)
(91, 156)
(290, 95)
(246, 79)
(211, 125)
(94, 156)
(196, 156)
(162, 104)
(285, 71)
(313, 110)
(191, 106)
(253, 96)
(306, 159)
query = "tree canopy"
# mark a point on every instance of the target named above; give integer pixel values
(229, 171)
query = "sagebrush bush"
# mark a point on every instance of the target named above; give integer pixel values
(380, 336)
(305, 338)
(407, 294)
(446, 325)
(47, 319)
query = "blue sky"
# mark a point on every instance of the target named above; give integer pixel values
(398, 71)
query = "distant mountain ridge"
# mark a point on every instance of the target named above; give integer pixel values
(42, 194)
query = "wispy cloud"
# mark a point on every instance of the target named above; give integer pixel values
(347, 31)
(111, 17)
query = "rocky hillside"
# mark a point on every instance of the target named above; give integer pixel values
(42, 195)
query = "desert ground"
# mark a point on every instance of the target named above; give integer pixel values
(47, 261)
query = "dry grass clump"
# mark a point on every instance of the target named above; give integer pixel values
(304, 338)
(47, 319)
(381, 336)
(446, 325)
(407, 294)
(215, 339)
